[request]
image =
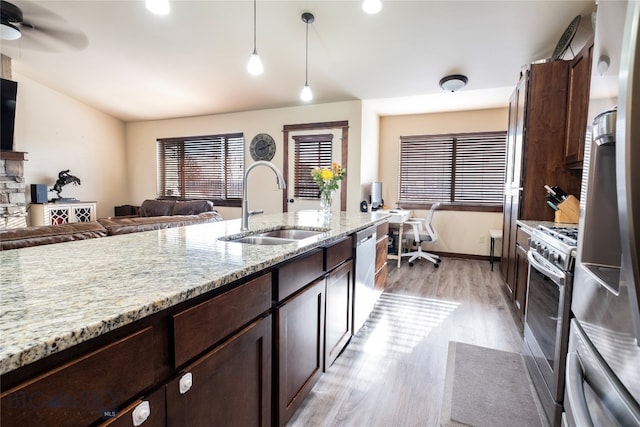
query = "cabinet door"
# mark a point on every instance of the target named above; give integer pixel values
(85, 213)
(339, 287)
(229, 386)
(513, 188)
(58, 215)
(577, 106)
(299, 343)
(522, 277)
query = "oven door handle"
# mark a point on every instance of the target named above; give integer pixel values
(559, 278)
(575, 391)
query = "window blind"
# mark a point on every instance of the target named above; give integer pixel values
(204, 167)
(310, 151)
(458, 169)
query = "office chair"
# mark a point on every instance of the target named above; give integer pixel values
(423, 232)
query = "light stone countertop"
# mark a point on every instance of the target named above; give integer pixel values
(53, 297)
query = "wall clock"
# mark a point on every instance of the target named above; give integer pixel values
(262, 147)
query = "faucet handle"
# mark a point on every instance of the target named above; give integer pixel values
(256, 212)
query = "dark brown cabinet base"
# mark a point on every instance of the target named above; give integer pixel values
(231, 385)
(299, 343)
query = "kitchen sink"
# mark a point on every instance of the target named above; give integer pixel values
(287, 233)
(262, 240)
(280, 236)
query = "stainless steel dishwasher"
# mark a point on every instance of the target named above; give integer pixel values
(364, 295)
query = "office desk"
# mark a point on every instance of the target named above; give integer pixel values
(397, 219)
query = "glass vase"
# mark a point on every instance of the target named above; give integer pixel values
(326, 199)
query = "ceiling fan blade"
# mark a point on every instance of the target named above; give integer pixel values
(45, 31)
(46, 39)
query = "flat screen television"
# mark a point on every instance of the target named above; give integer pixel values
(8, 92)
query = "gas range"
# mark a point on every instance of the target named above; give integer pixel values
(556, 244)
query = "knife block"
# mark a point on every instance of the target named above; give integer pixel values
(568, 211)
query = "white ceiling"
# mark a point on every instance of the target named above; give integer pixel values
(139, 66)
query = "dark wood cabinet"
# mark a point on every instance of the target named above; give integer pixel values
(339, 310)
(382, 249)
(536, 138)
(198, 328)
(578, 105)
(84, 390)
(299, 343)
(230, 385)
(148, 411)
(521, 272)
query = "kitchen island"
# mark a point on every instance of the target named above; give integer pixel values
(59, 301)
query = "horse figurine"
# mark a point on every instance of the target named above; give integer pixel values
(64, 178)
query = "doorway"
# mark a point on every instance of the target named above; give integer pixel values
(333, 133)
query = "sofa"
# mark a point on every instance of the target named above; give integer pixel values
(153, 215)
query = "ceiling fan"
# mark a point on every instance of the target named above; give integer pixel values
(30, 26)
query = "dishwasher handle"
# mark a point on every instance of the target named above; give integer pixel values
(362, 236)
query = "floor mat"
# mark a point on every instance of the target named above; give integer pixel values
(487, 388)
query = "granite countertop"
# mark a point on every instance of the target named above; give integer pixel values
(56, 296)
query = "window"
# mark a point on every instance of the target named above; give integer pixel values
(462, 170)
(202, 167)
(311, 151)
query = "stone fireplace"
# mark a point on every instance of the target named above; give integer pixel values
(13, 205)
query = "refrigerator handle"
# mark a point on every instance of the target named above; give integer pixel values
(575, 392)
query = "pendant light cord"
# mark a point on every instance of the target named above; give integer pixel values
(306, 57)
(255, 49)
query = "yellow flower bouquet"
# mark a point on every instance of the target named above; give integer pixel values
(327, 180)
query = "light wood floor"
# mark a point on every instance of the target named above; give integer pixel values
(392, 372)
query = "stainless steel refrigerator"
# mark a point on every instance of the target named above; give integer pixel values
(603, 364)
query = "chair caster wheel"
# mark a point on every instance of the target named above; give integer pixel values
(410, 264)
(436, 265)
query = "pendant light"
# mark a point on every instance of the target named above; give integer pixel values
(255, 65)
(306, 94)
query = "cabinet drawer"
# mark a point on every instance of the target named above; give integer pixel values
(338, 253)
(156, 407)
(84, 390)
(522, 238)
(199, 327)
(383, 229)
(298, 273)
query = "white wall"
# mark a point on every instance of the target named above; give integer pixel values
(458, 231)
(61, 133)
(263, 191)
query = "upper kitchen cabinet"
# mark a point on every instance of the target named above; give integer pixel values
(577, 105)
(536, 139)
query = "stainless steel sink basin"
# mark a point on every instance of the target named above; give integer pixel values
(262, 240)
(280, 236)
(294, 234)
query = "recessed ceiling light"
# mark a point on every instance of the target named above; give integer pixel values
(159, 7)
(372, 6)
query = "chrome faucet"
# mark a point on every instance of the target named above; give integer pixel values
(245, 204)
